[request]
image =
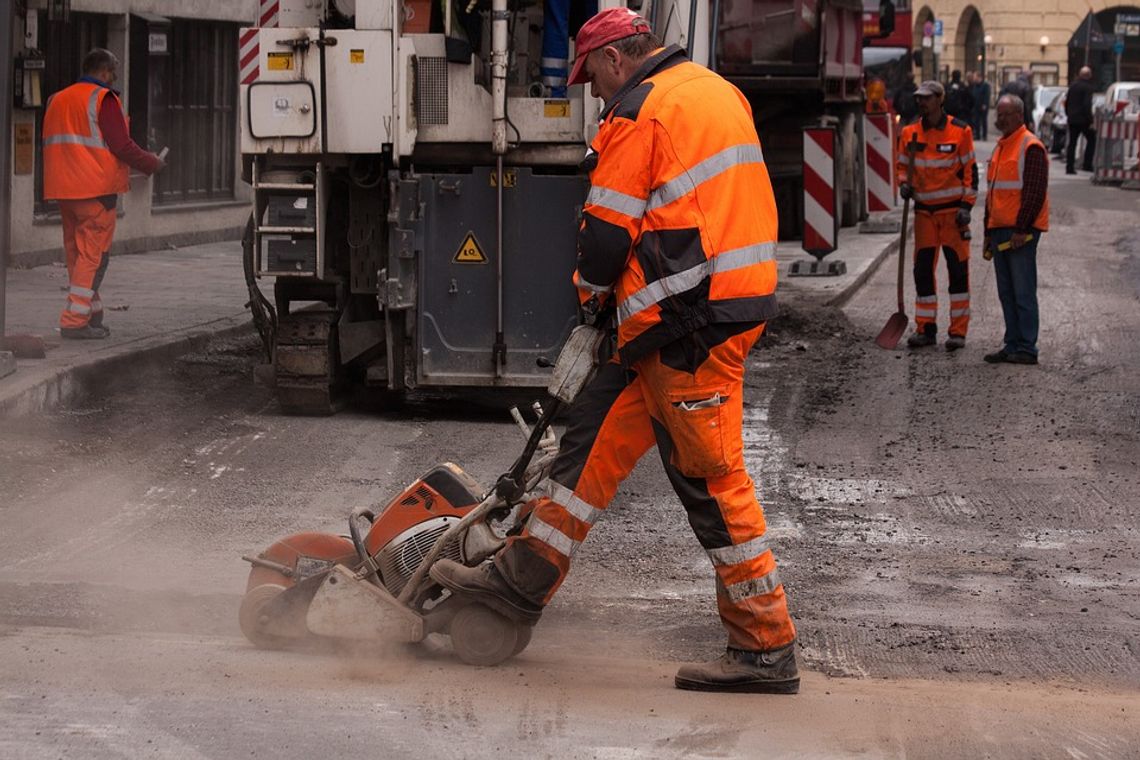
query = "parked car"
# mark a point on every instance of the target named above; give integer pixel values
(1122, 97)
(1043, 96)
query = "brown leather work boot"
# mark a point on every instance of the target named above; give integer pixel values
(484, 584)
(772, 672)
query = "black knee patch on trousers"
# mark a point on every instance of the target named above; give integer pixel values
(700, 506)
(528, 573)
(101, 271)
(959, 271)
(584, 419)
(924, 271)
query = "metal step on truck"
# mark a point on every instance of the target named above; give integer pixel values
(416, 182)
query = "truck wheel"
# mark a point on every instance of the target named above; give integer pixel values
(481, 636)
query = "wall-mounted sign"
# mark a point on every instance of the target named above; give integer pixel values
(156, 42)
(24, 155)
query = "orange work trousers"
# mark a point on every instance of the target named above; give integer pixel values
(934, 230)
(687, 399)
(88, 228)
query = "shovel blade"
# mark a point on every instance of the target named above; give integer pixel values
(893, 331)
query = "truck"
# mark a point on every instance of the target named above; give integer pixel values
(416, 183)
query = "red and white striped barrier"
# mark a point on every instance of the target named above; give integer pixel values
(249, 47)
(821, 222)
(249, 56)
(1117, 157)
(267, 13)
(878, 144)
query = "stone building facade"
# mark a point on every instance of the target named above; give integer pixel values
(1048, 37)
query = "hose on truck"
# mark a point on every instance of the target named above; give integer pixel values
(264, 315)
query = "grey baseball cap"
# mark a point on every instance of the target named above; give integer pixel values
(930, 87)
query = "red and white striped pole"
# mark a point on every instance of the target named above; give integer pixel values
(249, 46)
(878, 144)
(821, 222)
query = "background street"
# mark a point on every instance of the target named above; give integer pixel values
(959, 542)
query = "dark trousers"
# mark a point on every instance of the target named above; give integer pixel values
(1016, 273)
(1075, 132)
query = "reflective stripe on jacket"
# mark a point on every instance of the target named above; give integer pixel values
(945, 171)
(77, 162)
(1005, 176)
(680, 221)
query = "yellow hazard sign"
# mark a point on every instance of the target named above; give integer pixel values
(470, 252)
(280, 61)
(556, 109)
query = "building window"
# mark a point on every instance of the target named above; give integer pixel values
(63, 44)
(193, 111)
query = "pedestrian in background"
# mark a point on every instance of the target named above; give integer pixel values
(959, 102)
(982, 92)
(87, 151)
(903, 101)
(1022, 88)
(1078, 109)
(1017, 213)
(944, 186)
(679, 233)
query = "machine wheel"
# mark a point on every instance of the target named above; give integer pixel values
(524, 633)
(254, 621)
(482, 636)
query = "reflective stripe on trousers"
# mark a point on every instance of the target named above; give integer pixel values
(695, 419)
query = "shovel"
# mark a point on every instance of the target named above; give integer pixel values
(893, 330)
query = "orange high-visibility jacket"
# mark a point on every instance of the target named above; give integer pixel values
(77, 162)
(945, 172)
(1004, 177)
(680, 222)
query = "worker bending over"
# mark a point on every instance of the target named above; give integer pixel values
(679, 230)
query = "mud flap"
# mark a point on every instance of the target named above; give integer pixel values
(345, 607)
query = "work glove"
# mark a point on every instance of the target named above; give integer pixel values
(906, 191)
(963, 217)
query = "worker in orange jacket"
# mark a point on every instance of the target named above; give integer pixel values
(87, 150)
(679, 233)
(944, 187)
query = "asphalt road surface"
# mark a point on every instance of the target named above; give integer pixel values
(960, 543)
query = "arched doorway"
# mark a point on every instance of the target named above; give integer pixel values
(970, 44)
(922, 18)
(1094, 44)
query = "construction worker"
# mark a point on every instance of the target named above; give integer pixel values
(87, 150)
(944, 186)
(1017, 213)
(679, 233)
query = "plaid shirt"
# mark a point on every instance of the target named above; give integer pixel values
(1035, 184)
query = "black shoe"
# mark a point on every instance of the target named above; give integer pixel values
(772, 672)
(921, 340)
(954, 342)
(87, 332)
(485, 585)
(1070, 171)
(997, 357)
(1022, 357)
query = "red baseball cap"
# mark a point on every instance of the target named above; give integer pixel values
(606, 27)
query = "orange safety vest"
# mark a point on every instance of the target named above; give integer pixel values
(945, 172)
(1005, 177)
(77, 162)
(680, 221)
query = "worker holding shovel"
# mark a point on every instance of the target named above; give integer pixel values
(943, 182)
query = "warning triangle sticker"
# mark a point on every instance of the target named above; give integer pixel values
(469, 251)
